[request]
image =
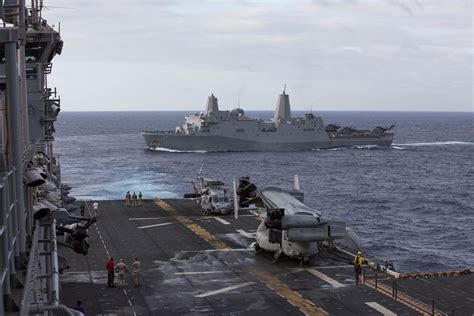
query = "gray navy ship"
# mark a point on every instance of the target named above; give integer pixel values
(216, 130)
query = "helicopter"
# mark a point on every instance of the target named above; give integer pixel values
(211, 195)
(288, 226)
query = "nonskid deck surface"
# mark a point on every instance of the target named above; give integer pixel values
(195, 264)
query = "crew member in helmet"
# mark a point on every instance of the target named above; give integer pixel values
(127, 198)
(358, 260)
(134, 199)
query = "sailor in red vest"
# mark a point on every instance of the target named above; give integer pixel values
(110, 272)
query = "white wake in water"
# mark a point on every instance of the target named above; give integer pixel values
(437, 143)
(179, 151)
(355, 147)
(365, 146)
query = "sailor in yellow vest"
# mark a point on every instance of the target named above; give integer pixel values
(358, 260)
(127, 198)
(140, 197)
(134, 199)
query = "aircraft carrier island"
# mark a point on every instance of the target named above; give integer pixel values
(216, 130)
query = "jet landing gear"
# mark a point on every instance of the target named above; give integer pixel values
(257, 248)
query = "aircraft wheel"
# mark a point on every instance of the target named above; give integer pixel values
(304, 261)
(258, 249)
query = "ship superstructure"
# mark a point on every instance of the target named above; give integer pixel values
(216, 130)
(31, 193)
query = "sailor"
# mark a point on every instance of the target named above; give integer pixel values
(121, 268)
(127, 199)
(82, 208)
(95, 209)
(134, 199)
(358, 260)
(110, 272)
(136, 272)
(140, 196)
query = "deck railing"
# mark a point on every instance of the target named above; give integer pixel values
(8, 234)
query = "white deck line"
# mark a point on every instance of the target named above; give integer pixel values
(325, 278)
(226, 289)
(244, 215)
(155, 225)
(200, 272)
(223, 221)
(108, 255)
(335, 267)
(144, 218)
(244, 233)
(223, 216)
(381, 309)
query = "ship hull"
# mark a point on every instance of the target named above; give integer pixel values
(180, 142)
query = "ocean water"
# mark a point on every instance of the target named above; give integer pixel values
(411, 204)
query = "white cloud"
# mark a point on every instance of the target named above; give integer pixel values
(381, 54)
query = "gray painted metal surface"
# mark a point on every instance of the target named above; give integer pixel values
(215, 130)
(28, 111)
(182, 271)
(15, 135)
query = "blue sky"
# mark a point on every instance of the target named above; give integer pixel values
(390, 55)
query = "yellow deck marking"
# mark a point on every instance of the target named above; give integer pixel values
(198, 230)
(295, 298)
(204, 234)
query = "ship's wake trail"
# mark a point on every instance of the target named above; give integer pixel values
(366, 146)
(162, 149)
(437, 143)
(356, 147)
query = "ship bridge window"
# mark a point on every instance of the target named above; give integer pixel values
(240, 130)
(33, 51)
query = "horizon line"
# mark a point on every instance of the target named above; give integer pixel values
(197, 111)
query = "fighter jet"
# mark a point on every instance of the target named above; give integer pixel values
(288, 226)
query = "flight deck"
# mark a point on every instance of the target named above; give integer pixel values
(196, 264)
